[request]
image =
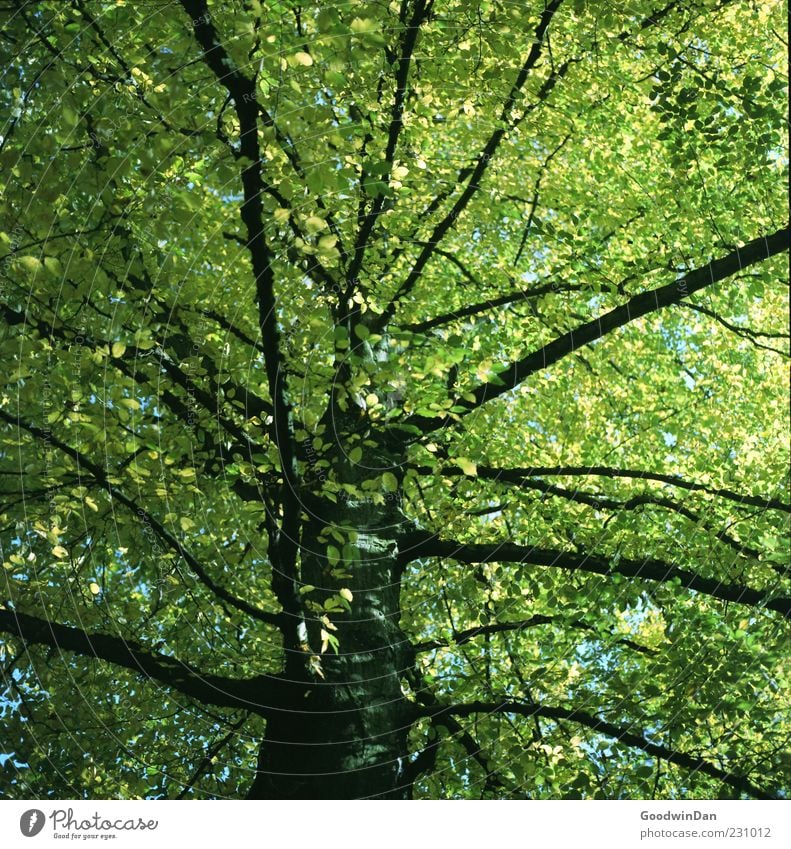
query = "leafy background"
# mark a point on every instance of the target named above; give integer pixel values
(639, 150)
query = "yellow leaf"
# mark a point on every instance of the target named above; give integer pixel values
(360, 25)
(130, 403)
(347, 594)
(302, 58)
(30, 263)
(60, 551)
(314, 224)
(94, 588)
(467, 466)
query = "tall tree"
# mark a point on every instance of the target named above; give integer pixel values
(394, 399)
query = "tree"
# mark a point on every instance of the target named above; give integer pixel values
(395, 399)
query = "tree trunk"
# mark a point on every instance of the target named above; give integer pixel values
(344, 735)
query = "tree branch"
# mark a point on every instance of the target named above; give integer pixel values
(475, 173)
(600, 501)
(135, 355)
(536, 195)
(517, 371)
(520, 476)
(492, 303)
(745, 332)
(425, 544)
(492, 782)
(243, 91)
(100, 477)
(207, 761)
(184, 677)
(600, 726)
(459, 638)
(419, 15)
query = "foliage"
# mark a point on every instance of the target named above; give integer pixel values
(264, 263)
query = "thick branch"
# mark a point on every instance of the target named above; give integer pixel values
(184, 677)
(600, 726)
(646, 302)
(424, 544)
(243, 91)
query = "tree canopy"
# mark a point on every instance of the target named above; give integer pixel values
(394, 400)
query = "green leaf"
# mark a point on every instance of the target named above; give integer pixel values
(389, 482)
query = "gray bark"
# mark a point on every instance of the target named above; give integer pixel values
(344, 735)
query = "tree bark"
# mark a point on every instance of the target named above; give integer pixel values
(342, 733)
